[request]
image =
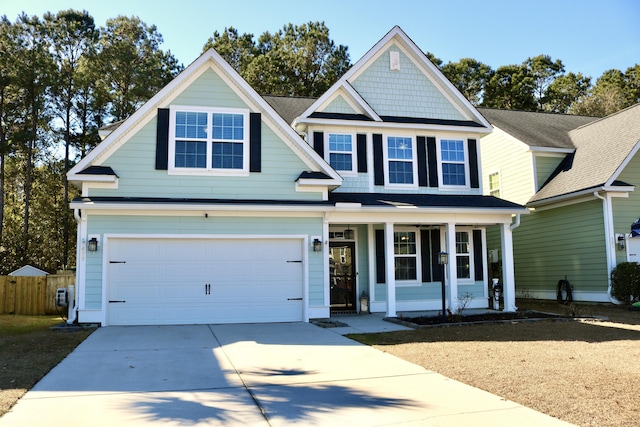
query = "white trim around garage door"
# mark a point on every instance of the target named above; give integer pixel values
(109, 237)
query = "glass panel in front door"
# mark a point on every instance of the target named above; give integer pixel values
(342, 276)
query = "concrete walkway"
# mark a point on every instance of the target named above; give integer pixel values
(251, 375)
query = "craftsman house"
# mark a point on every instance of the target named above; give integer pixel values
(578, 176)
(209, 206)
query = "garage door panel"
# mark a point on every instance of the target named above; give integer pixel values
(181, 281)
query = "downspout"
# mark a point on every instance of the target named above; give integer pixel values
(515, 224)
(73, 308)
(608, 237)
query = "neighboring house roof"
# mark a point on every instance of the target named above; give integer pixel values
(545, 130)
(28, 270)
(602, 150)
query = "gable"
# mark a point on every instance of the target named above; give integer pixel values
(406, 92)
(338, 105)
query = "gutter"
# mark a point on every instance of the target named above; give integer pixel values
(608, 233)
(515, 224)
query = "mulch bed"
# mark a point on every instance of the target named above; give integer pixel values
(474, 318)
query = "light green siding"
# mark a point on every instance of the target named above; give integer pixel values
(134, 161)
(562, 242)
(339, 105)
(545, 166)
(627, 210)
(511, 159)
(406, 93)
(191, 225)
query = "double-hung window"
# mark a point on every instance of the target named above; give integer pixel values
(494, 184)
(341, 152)
(208, 141)
(405, 250)
(463, 254)
(400, 164)
(453, 162)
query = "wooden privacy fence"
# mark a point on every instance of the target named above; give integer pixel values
(32, 295)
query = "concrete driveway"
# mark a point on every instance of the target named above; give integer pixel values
(251, 375)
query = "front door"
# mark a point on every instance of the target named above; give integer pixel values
(342, 268)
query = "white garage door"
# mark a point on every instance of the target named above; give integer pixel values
(187, 281)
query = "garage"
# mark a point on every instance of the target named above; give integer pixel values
(154, 281)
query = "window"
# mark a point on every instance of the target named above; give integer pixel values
(463, 255)
(452, 155)
(494, 184)
(405, 251)
(208, 140)
(341, 151)
(400, 160)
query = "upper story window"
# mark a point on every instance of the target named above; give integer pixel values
(494, 184)
(400, 164)
(208, 141)
(341, 152)
(453, 162)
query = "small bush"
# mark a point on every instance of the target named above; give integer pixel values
(625, 282)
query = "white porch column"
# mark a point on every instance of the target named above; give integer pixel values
(390, 270)
(371, 286)
(452, 267)
(508, 277)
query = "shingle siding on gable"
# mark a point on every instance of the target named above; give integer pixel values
(339, 105)
(404, 93)
(209, 90)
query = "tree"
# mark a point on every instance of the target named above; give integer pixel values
(132, 65)
(608, 96)
(470, 77)
(511, 87)
(298, 60)
(73, 36)
(237, 50)
(564, 91)
(544, 71)
(34, 72)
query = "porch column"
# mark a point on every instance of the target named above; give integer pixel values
(390, 270)
(508, 277)
(452, 267)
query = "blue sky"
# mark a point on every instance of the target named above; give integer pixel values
(588, 36)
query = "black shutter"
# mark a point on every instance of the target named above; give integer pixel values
(432, 159)
(162, 139)
(362, 152)
(422, 161)
(435, 250)
(425, 251)
(318, 143)
(473, 163)
(378, 160)
(255, 142)
(477, 255)
(381, 272)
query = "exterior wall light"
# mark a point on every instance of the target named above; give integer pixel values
(348, 233)
(317, 245)
(92, 244)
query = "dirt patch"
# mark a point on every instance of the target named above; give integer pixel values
(28, 350)
(585, 372)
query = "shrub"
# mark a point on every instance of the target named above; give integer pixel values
(625, 282)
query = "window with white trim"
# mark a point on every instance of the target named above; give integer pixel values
(464, 255)
(405, 250)
(208, 140)
(400, 164)
(494, 184)
(453, 162)
(341, 152)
